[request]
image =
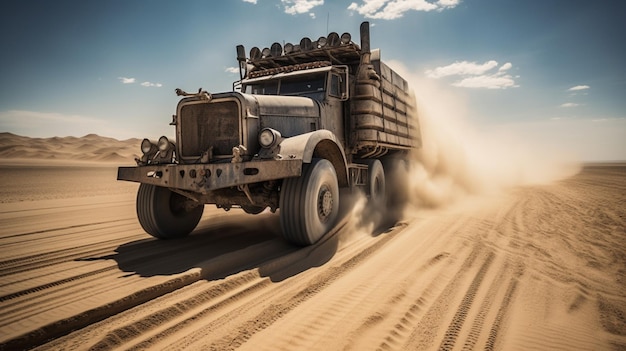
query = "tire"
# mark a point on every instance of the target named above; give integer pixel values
(252, 209)
(376, 187)
(397, 176)
(162, 213)
(309, 204)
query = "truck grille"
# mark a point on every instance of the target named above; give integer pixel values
(206, 125)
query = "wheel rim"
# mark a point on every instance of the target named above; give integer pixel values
(324, 203)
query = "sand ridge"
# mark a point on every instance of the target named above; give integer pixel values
(91, 148)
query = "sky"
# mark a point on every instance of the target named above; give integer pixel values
(551, 71)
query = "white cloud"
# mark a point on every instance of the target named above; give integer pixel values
(494, 81)
(294, 7)
(462, 68)
(125, 80)
(149, 84)
(476, 75)
(505, 67)
(250, 1)
(579, 87)
(569, 104)
(232, 70)
(392, 9)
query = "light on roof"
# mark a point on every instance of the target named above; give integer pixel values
(255, 53)
(321, 42)
(346, 38)
(333, 39)
(288, 48)
(276, 49)
(306, 44)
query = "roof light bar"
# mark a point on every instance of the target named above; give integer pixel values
(306, 44)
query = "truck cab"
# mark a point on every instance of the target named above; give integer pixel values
(326, 86)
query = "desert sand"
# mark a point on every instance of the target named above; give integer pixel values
(529, 267)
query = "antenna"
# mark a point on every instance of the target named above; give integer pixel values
(327, 20)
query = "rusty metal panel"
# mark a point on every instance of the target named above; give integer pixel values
(202, 178)
(290, 126)
(205, 125)
(383, 112)
(292, 106)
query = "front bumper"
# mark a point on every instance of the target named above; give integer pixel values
(203, 178)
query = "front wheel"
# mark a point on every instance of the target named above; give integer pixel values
(309, 204)
(165, 214)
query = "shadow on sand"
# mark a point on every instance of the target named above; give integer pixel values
(222, 246)
(230, 243)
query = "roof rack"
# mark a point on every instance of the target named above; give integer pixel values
(340, 55)
(335, 49)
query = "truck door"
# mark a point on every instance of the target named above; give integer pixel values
(333, 104)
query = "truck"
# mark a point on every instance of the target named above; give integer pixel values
(303, 121)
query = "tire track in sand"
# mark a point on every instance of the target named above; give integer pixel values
(456, 324)
(485, 307)
(502, 312)
(425, 333)
(197, 305)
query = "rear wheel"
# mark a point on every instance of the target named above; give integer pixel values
(165, 214)
(377, 187)
(309, 204)
(397, 175)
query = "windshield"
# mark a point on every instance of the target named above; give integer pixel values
(301, 85)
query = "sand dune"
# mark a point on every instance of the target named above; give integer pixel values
(90, 148)
(537, 267)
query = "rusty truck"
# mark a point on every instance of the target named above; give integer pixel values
(303, 121)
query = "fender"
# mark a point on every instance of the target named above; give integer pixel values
(318, 144)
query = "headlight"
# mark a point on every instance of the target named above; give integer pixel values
(269, 137)
(146, 146)
(166, 151)
(164, 143)
(149, 150)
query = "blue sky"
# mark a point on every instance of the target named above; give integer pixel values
(552, 69)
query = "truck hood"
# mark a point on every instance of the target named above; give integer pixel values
(287, 106)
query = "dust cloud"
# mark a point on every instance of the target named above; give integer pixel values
(457, 162)
(458, 159)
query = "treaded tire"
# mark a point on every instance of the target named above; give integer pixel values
(162, 214)
(397, 177)
(377, 188)
(309, 204)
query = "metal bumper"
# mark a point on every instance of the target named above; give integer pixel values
(203, 178)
